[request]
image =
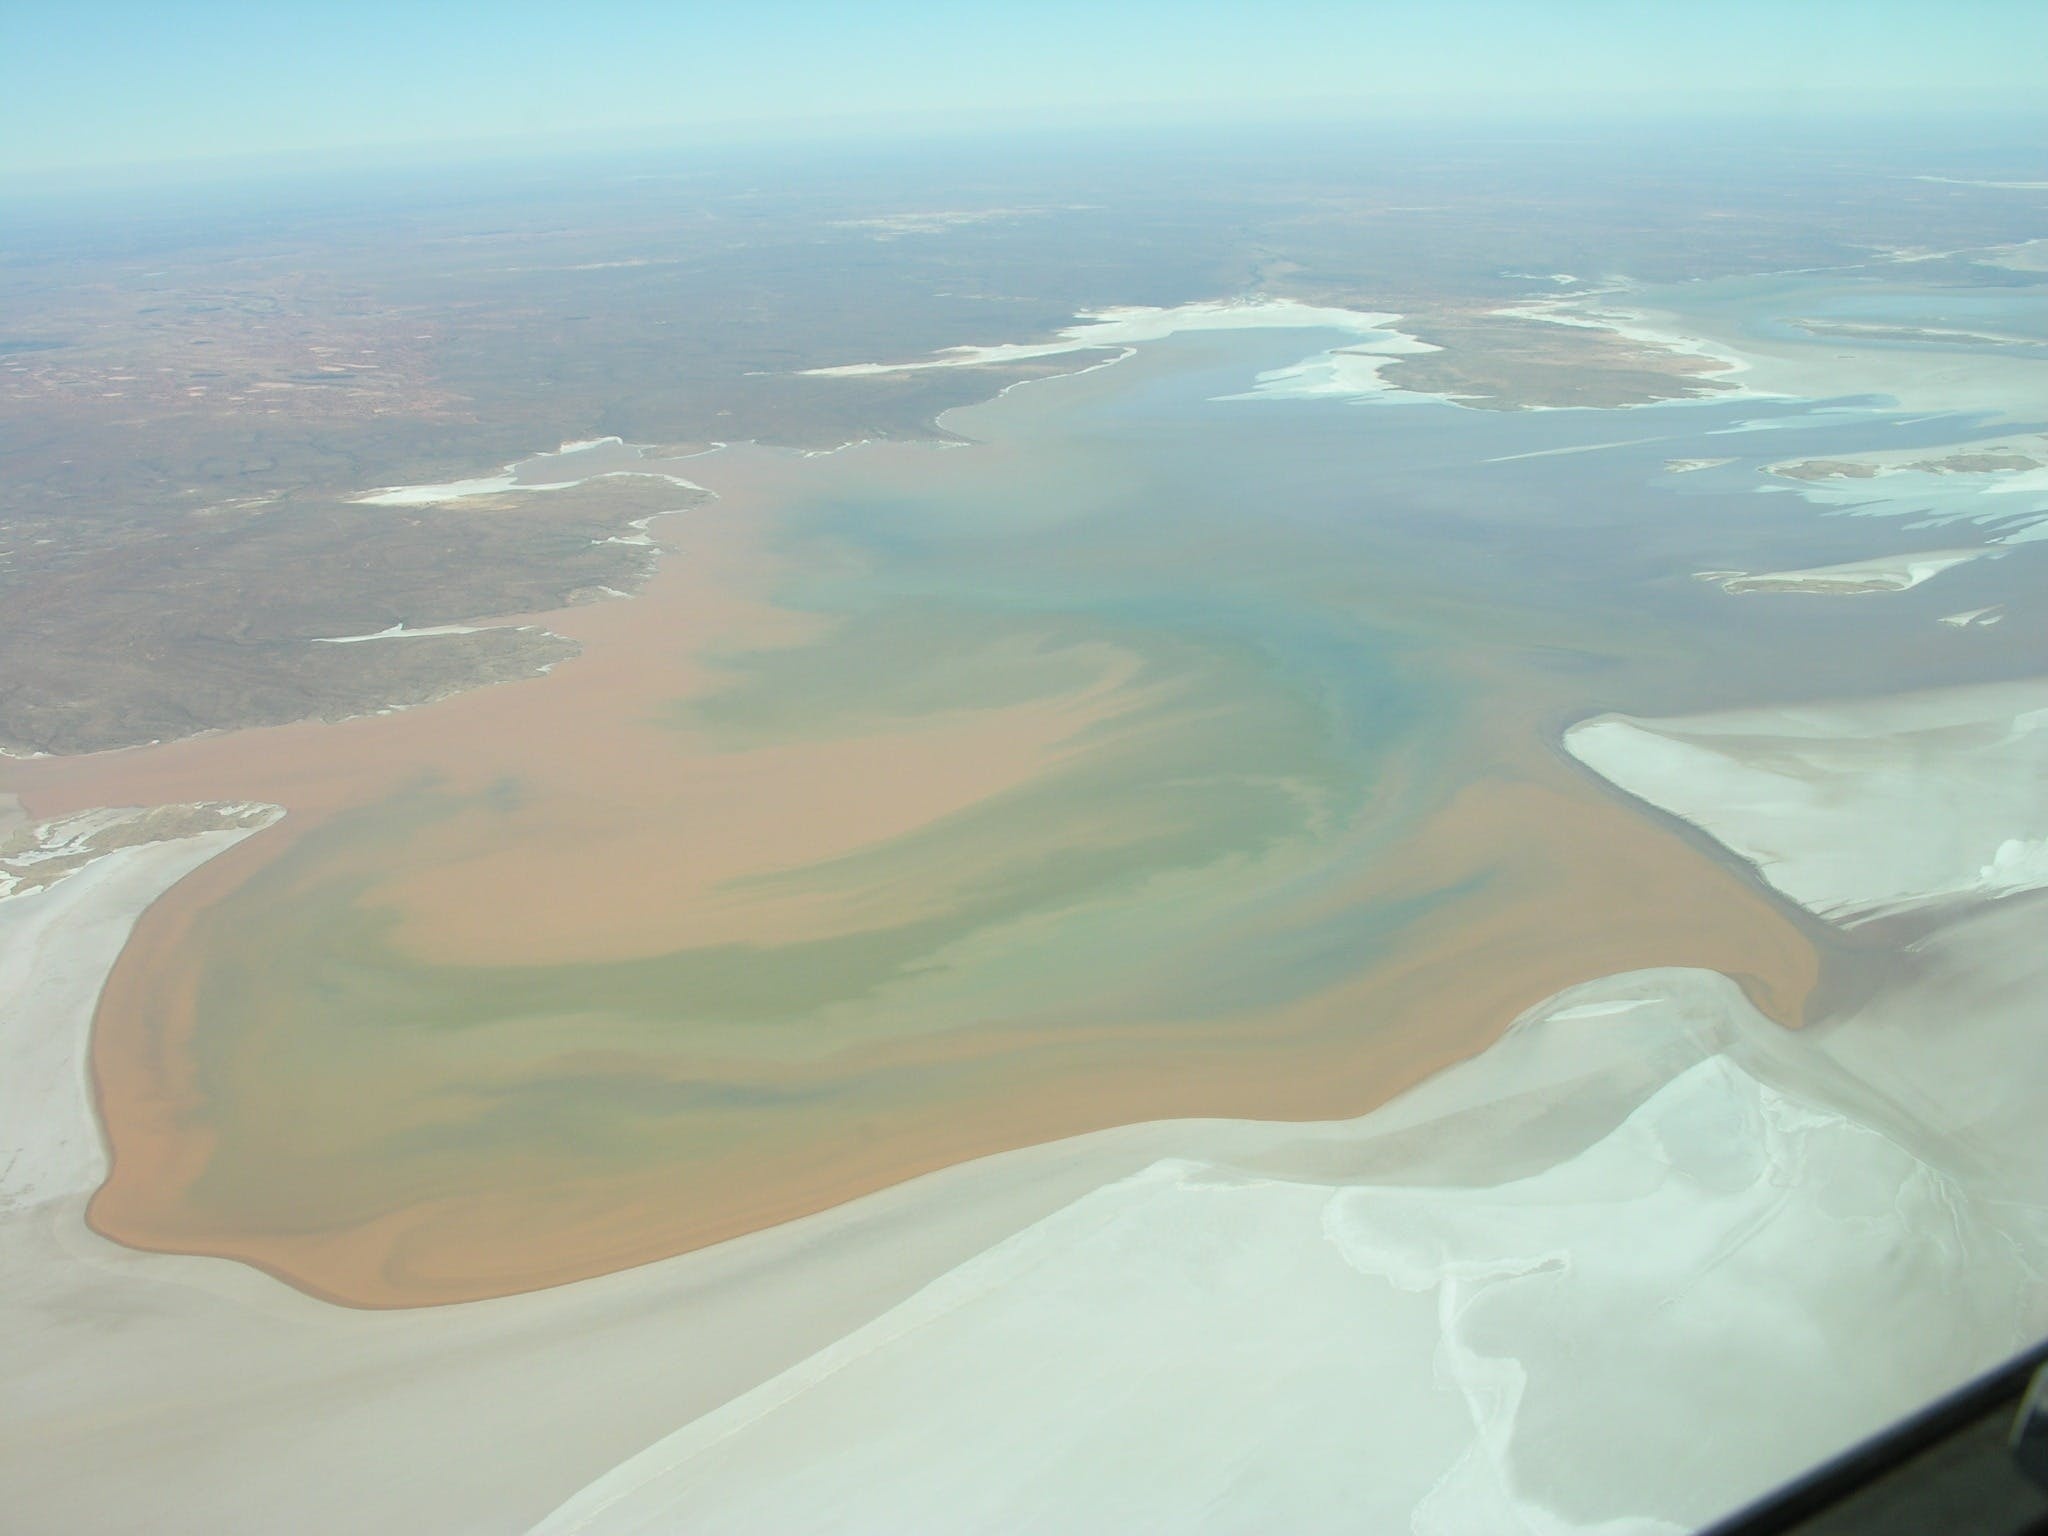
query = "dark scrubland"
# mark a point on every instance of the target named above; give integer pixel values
(195, 382)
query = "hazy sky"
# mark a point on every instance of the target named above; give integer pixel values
(98, 84)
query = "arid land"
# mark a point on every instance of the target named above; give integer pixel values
(189, 397)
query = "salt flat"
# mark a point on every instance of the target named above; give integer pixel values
(1399, 1319)
(1347, 370)
(1855, 810)
(56, 944)
(1202, 1348)
(1435, 1283)
(1130, 1351)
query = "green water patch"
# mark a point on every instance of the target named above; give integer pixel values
(1247, 614)
(345, 1076)
(895, 666)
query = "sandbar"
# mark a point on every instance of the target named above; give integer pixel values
(1882, 573)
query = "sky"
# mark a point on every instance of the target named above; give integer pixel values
(88, 85)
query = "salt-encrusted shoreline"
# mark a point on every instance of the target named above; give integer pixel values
(1445, 1283)
(68, 901)
(519, 477)
(1458, 1269)
(1855, 810)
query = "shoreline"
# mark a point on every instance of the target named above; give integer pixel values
(1979, 834)
(942, 1251)
(1602, 1047)
(1130, 325)
(1715, 918)
(824, 1331)
(58, 942)
(1427, 1021)
(640, 461)
(1003, 1307)
(605, 454)
(1948, 376)
(1709, 913)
